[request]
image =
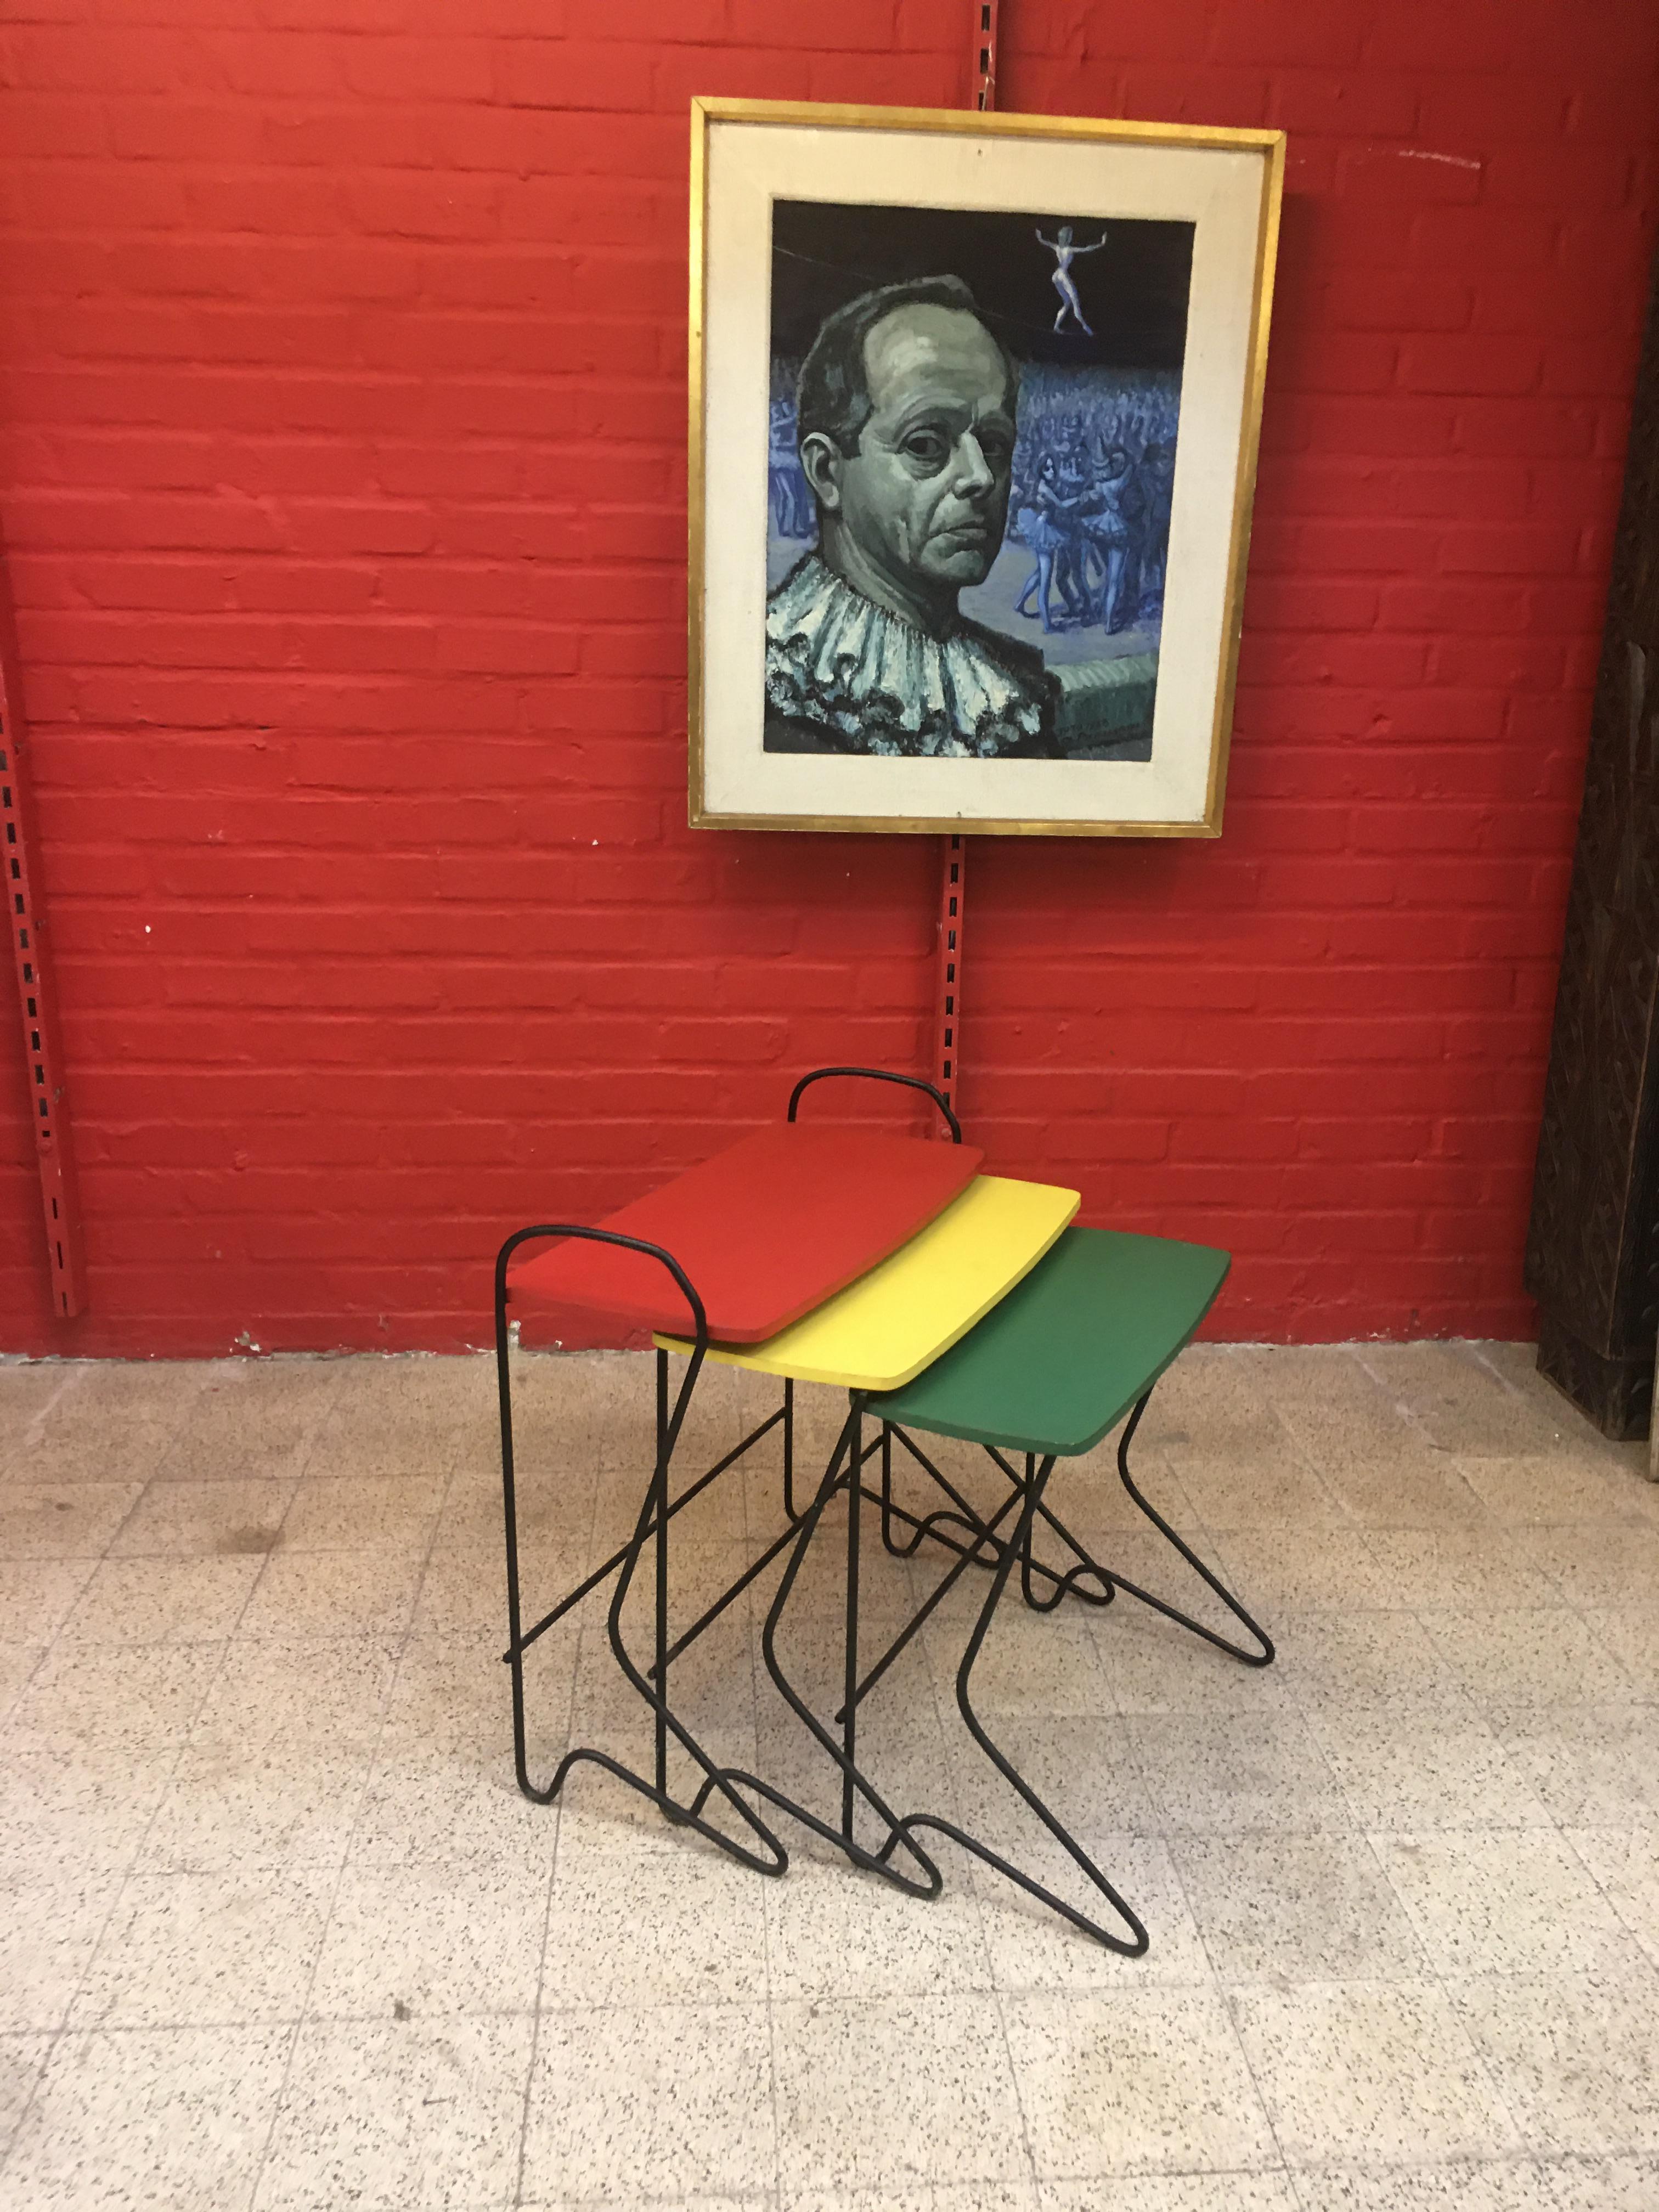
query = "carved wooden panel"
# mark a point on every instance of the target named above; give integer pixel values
(1593, 1246)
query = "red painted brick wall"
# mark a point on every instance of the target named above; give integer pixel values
(342, 478)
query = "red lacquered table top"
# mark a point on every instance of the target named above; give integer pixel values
(766, 1232)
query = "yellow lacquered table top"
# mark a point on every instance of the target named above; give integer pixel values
(885, 1329)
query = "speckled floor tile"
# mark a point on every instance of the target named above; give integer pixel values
(461, 1804)
(1631, 1634)
(1550, 1489)
(1235, 1772)
(123, 1697)
(877, 2093)
(390, 1433)
(1309, 1569)
(195, 1950)
(1028, 1663)
(701, 2202)
(332, 1594)
(1281, 1908)
(832, 1931)
(76, 1442)
(364, 1514)
(1370, 2072)
(1175, 2192)
(1530, 1657)
(1575, 2057)
(280, 1690)
(552, 1505)
(411, 2115)
(205, 1520)
(969, 2196)
(1340, 1415)
(1460, 1398)
(642, 1928)
(37, 1597)
(174, 2118)
(284, 1805)
(438, 1939)
(1624, 1864)
(1591, 1766)
(1419, 1492)
(1425, 1771)
(464, 1593)
(17, 1664)
(252, 1420)
(1034, 1952)
(1087, 1770)
(162, 1602)
(48, 1932)
(627, 2103)
(1281, 1490)
(21, 2058)
(1463, 1585)
(1509, 2185)
(1381, 1659)
(27, 1387)
(1152, 1666)
(1135, 2081)
(68, 1808)
(1504, 1901)
(453, 1691)
(63, 1520)
(600, 1409)
(1610, 2184)
(1591, 1564)
(1457, 1567)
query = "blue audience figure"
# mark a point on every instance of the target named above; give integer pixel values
(1046, 526)
(1063, 280)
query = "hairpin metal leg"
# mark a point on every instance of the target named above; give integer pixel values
(1135, 1942)
(654, 1514)
(849, 1710)
(1261, 1657)
(854, 1784)
(1070, 1582)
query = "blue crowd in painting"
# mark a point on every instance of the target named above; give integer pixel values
(1093, 475)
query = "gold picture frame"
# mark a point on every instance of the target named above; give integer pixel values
(749, 158)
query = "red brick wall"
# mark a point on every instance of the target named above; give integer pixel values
(342, 478)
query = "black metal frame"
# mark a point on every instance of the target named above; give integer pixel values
(980, 1543)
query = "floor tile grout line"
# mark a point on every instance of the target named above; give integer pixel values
(257, 2167)
(557, 1807)
(118, 1892)
(756, 1663)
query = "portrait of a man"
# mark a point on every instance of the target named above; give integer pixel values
(907, 422)
(970, 508)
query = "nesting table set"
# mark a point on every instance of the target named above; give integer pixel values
(945, 1302)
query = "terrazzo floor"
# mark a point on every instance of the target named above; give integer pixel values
(278, 1932)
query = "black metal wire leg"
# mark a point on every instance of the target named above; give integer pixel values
(1070, 1583)
(854, 1784)
(1135, 1942)
(654, 1521)
(1261, 1657)
(938, 1524)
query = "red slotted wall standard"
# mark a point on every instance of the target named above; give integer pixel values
(342, 375)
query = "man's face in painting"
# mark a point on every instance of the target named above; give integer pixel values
(919, 507)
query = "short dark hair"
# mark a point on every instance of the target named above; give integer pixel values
(833, 396)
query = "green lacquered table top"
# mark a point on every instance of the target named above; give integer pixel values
(1066, 1354)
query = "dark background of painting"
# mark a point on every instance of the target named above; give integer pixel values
(1134, 290)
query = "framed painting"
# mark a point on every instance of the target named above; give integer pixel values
(975, 402)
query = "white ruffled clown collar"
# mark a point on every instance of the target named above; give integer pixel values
(875, 684)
